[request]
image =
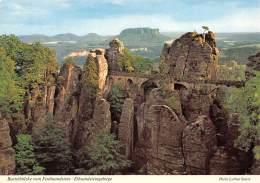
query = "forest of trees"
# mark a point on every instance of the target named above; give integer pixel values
(134, 63)
(246, 103)
(239, 54)
(23, 67)
(231, 71)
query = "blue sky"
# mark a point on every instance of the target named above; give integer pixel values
(109, 17)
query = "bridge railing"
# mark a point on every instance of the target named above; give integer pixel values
(237, 83)
(129, 74)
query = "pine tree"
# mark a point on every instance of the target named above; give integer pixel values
(246, 102)
(52, 149)
(10, 92)
(90, 85)
(116, 98)
(126, 61)
(26, 163)
(103, 156)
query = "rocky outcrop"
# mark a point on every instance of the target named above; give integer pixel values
(67, 99)
(68, 82)
(199, 144)
(192, 58)
(195, 103)
(173, 124)
(102, 69)
(87, 95)
(113, 53)
(143, 143)
(100, 122)
(165, 155)
(38, 103)
(75, 102)
(252, 65)
(7, 153)
(67, 117)
(50, 99)
(126, 128)
(223, 164)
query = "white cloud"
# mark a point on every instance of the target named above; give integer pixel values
(242, 20)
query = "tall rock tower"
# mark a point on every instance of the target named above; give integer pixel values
(192, 58)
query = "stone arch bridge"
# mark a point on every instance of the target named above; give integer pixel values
(127, 80)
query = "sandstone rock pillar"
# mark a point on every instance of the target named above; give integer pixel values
(199, 143)
(126, 127)
(7, 153)
(165, 155)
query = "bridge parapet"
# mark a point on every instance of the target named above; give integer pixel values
(129, 74)
(228, 83)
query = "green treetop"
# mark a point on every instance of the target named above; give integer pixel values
(26, 163)
(103, 157)
(246, 102)
(10, 92)
(53, 151)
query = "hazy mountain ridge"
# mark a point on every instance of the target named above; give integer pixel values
(62, 37)
(147, 42)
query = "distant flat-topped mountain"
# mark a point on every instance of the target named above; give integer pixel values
(142, 37)
(144, 41)
(147, 42)
(131, 37)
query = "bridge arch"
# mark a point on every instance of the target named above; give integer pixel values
(129, 83)
(180, 86)
(147, 86)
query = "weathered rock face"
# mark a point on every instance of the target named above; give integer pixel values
(165, 54)
(126, 127)
(195, 103)
(165, 155)
(67, 99)
(101, 122)
(85, 110)
(219, 117)
(143, 143)
(191, 58)
(199, 143)
(68, 117)
(112, 54)
(68, 81)
(38, 103)
(252, 65)
(50, 99)
(102, 69)
(75, 106)
(228, 159)
(223, 164)
(158, 149)
(7, 153)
